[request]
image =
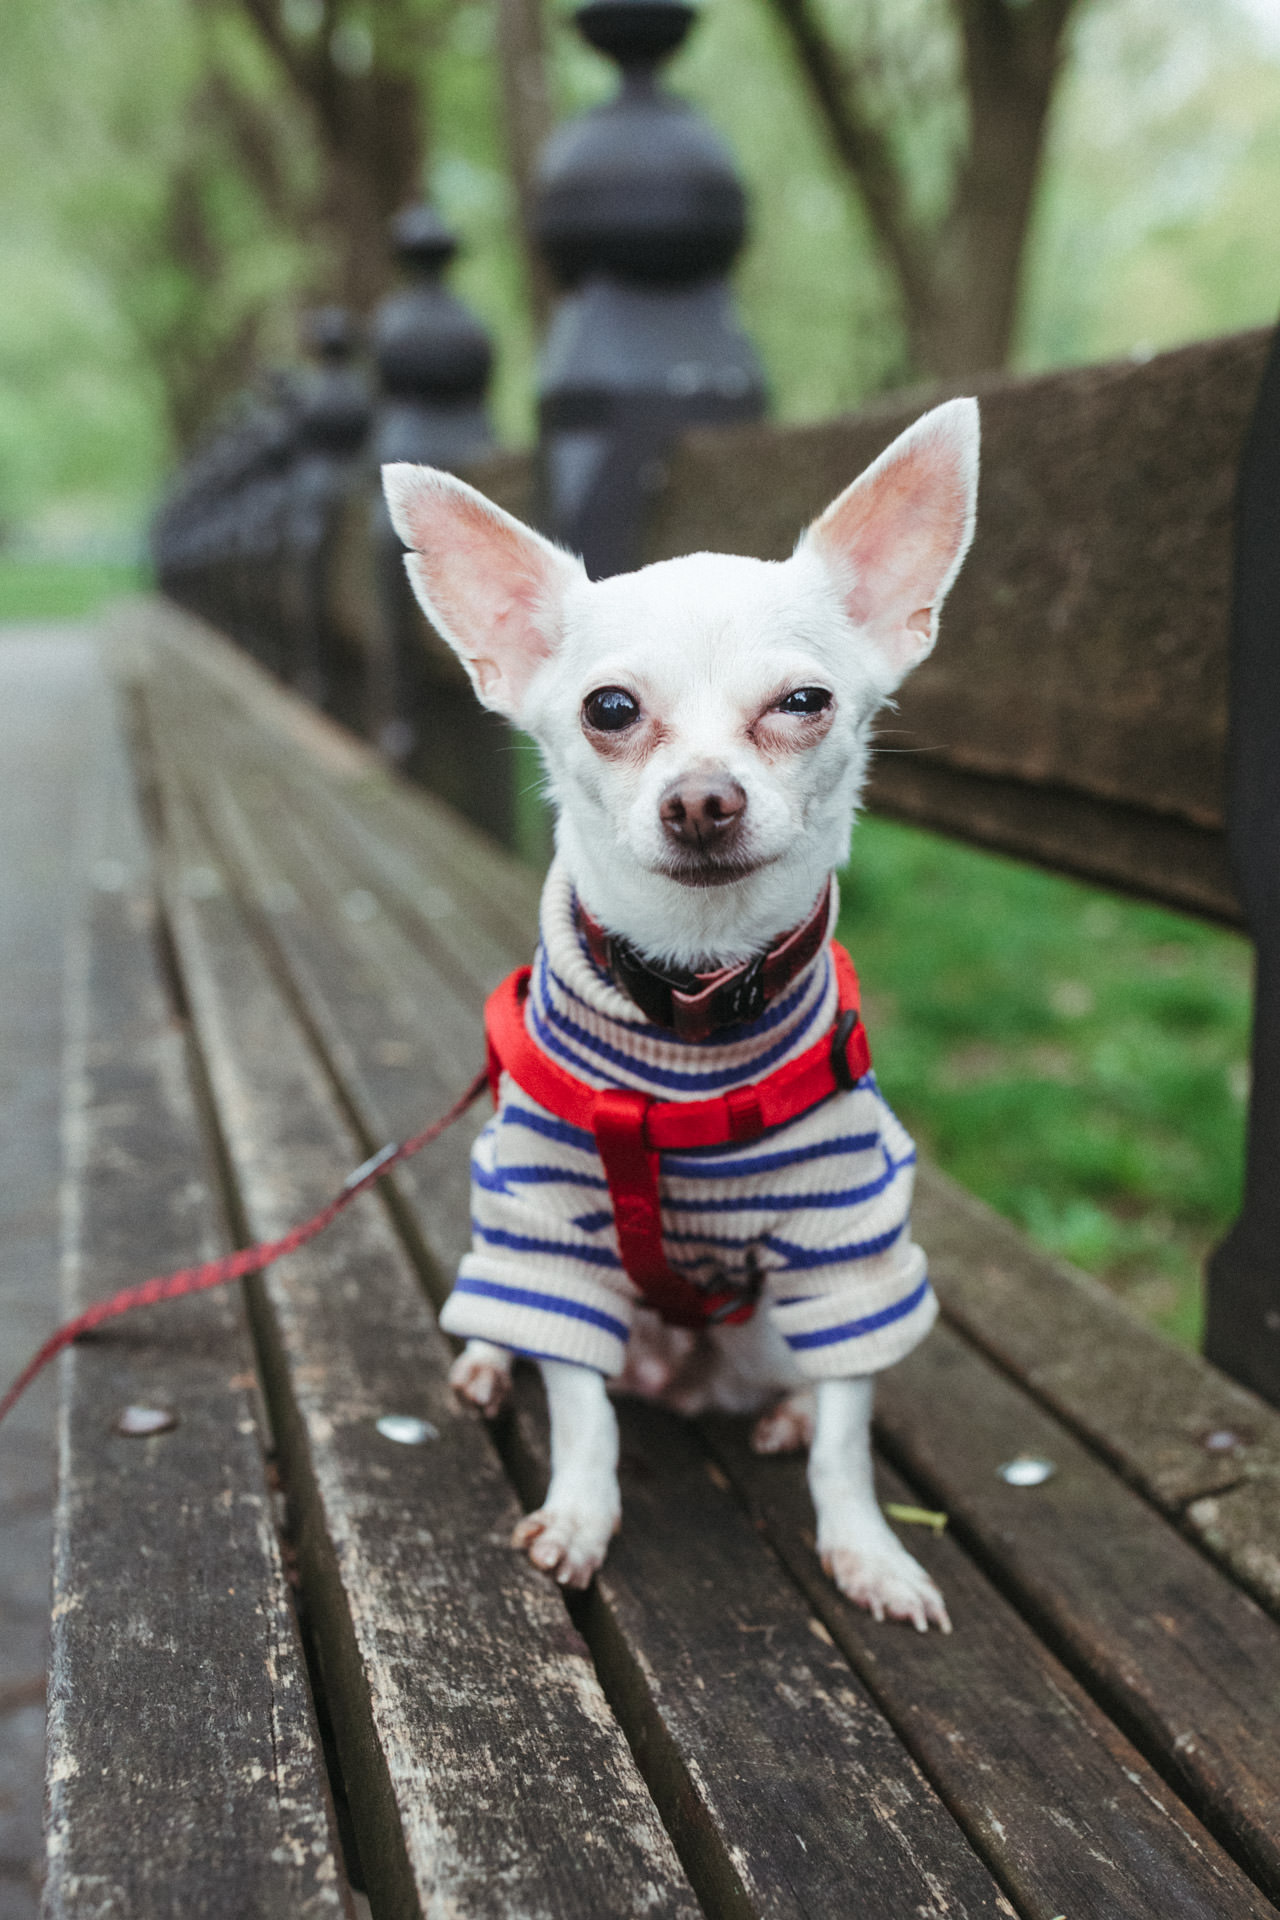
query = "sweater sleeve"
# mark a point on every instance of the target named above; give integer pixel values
(543, 1276)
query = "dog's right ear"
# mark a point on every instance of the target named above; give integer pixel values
(892, 543)
(489, 585)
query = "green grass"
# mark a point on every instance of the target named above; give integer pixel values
(1076, 1059)
(41, 589)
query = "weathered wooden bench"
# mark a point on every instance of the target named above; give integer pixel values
(295, 1662)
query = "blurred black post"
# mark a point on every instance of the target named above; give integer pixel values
(640, 214)
(334, 414)
(433, 360)
(1242, 1333)
(218, 539)
(260, 519)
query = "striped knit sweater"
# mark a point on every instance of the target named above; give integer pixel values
(817, 1211)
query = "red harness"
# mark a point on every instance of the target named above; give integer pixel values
(631, 1130)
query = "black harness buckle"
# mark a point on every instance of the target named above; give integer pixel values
(841, 1034)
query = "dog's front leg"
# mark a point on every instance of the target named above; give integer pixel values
(481, 1375)
(569, 1534)
(864, 1558)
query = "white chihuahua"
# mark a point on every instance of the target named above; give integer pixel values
(705, 725)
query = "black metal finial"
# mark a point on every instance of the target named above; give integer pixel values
(329, 334)
(643, 188)
(334, 398)
(635, 32)
(422, 240)
(427, 346)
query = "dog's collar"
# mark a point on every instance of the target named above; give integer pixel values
(696, 1005)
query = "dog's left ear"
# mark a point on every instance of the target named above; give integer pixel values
(491, 587)
(894, 540)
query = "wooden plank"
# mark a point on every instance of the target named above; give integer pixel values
(1186, 1662)
(1175, 862)
(716, 1751)
(50, 687)
(1204, 1450)
(1066, 1813)
(1083, 650)
(184, 1766)
(451, 1670)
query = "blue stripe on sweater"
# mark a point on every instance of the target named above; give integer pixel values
(852, 1329)
(537, 1173)
(799, 1259)
(551, 1129)
(541, 1302)
(695, 1167)
(497, 1179)
(791, 1202)
(527, 1243)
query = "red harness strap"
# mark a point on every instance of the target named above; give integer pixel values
(631, 1130)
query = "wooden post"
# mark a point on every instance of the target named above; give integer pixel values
(1242, 1333)
(639, 213)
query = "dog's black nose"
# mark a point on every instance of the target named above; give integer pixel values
(703, 811)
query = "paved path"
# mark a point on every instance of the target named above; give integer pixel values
(50, 686)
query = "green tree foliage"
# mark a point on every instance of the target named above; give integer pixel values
(936, 110)
(152, 239)
(174, 192)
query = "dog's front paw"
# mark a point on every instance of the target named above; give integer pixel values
(569, 1543)
(481, 1375)
(888, 1583)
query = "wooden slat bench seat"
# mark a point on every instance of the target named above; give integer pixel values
(297, 1667)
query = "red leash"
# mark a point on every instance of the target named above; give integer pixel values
(234, 1266)
(631, 1131)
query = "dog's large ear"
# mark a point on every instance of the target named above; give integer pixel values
(894, 540)
(489, 585)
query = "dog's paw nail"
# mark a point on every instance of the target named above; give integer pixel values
(890, 1586)
(569, 1547)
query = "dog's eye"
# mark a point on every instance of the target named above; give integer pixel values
(806, 700)
(609, 709)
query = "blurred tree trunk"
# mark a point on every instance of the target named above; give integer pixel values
(204, 333)
(360, 77)
(526, 112)
(958, 276)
